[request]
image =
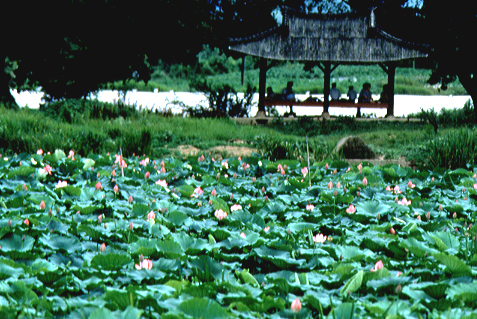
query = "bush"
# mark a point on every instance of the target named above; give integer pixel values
(456, 149)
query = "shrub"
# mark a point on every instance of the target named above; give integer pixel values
(456, 149)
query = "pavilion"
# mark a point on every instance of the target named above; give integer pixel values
(327, 41)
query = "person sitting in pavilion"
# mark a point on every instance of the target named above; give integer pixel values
(352, 94)
(365, 94)
(287, 93)
(384, 98)
(272, 95)
(335, 93)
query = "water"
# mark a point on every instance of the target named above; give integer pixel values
(403, 104)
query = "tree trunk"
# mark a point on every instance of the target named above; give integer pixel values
(470, 85)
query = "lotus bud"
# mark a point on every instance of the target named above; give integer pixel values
(392, 231)
(130, 199)
(289, 231)
(335, 193)
(254, 179)
(131, 227)
(23, 238)
(358, 194)
(263, 189)
(266, 198)
(454, 215)
(398, 289)
(418, 217)
(341, 257)
(344, 189)
(378, 217)
(103, 247)
(420, 204)
(231, 196)
(235, 175)
(147, 175)
(25, 188)
(428, 215)
(440, 208)
(141, 258)
(50, 213)
(9, 223)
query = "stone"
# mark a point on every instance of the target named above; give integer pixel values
(354, 147)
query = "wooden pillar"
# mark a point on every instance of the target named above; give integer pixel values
(262, 82)
(391, 76)
(326, 89)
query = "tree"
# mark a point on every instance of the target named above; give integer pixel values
(71, 46)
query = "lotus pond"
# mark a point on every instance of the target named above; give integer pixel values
(111, 237)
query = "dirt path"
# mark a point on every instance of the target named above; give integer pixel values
(217, 151)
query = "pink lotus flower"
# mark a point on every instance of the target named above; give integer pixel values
(348, 169)
(39, 152)
(295, 306)
(220, 214)
(475, 186)
(103, 247)
(351, 209)
(404, 202)
(144, 264)
(131, 226)
(61, 184)
(122, 163)
(392, 231)
(162, 163)
(243, 235)
(147, 175)
(113, 173)
(201, 158)
(411, 185)
(235, 207)
(338, 185)
(116, 189)
(213, 193)
(365, 181)
(474, 176)
(388, 188)
(26, 222)
(24, 187)
(130, 199)
(266, 229)
(282, 172)
(319, 238)
(280, 167)
(99, 186)
(304, 171)
(42, 205)
(326, 166)
(397, 190)
(198, 191)
(378, 265)
(48, 169)
(360, 167)
(330, 185)
(151, 216)
(71, 154)
(100, 218)
(310, 207)
(144, 162)
(163, 170)
(161, 182)
(225, 165)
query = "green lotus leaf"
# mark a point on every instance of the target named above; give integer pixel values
(206, 268)
(170, 249)
(445, 240)
(353, 284)
(21, 171)
(454, 265)
(140, 210)
(54, 241)
(7, 271)
(110, 261)
(190, 245)
(17, 243)
(248, 278)
(372, 208)
(466, 292)
(144, 246)
(297, 228)
(88, 163)
(204, 308)
(416, 247)
(177, 218)
(185, 190)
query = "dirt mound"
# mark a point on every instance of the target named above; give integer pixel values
(217, 151)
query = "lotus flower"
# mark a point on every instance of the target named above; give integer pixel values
(295, 306)
(378, 265)
(198, 191)
(220, 214)
(310, 207)
(147, 175)
(330, 185)
(411, 185)
(243, 235)
(266, 229)
(319, 238)
(161, 182)
(213, 193)
(116, 189)
(326, 166)
(351, 209)
(39, 152)
(103, 247)
(365, 181)
(61, 184)
(130, 199)
(48, 169)
(99, 186)
(235, 207)
(304, 171)
(392, 231)
(42, 205)
(144, 264)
